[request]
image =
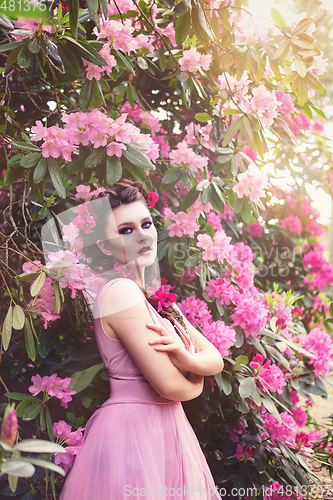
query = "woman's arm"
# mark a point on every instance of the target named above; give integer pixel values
(208, 361)
(126, 312)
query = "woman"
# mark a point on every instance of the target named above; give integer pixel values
(140, 443)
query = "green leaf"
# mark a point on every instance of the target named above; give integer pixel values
(92, 6)
(302, 91)
(38, 284)
(20, 396)
(22, 406)
(302, 26)
(277, 18)
(182, 28)
(137, 158)
(39, 446)
(6, 47)
(40, 170)
(18, 317)
(114, 169)
(189, 199)
(56, 178)
(85, 93)
(34, 45)
(172, 177)
(86, 51)
(137, 172)
(17, 467)
(300, 67)
(95, 157)
(260, 458)
(206, 195)
(203, 117)
(14, 161)
(161, 58)
(43, 346)
(7, 328)
(240, 362)
(74, 16)
(315, 85)
(45, 464)
(6, 23)
(246, 212)
(246, 387)
(31, 412)
(82, 379)
(25, 57)
(68, 58)
(49, 424)
(125, 61)
(232, 131)
(270, 407)
(30, 160)
(25, 146)
(142, 63)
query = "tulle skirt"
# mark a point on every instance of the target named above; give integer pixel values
(134, 450)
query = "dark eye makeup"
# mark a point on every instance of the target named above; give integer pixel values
(124, 229)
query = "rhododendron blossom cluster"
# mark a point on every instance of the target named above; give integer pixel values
(252, 183)
(285, 431)
(268, 376)
(186, 155)
(192, 60)
(53, 386)
(95, 128)
(73, 439)
(320, 344)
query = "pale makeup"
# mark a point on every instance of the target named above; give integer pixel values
(129, 228)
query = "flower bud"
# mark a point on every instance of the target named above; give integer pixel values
(9, 426)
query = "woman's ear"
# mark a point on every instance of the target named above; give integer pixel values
(103, 246)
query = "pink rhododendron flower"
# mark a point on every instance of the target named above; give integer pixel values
(53, 386)
(293, 223)
(264, 103)
(243, 452)
(152, 199)
(221, 336)
(32, 267)
(269, 376)
(280, 431)
(255, 229)
(252, 183)
(9, 426)
(184, 154)
(84, 220)
(300, 416)
(320, 344)
(192, 60)
(286, 105)
(196, 311)
(61, 430)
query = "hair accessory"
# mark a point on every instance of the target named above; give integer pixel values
(163, 299)
(152, 199)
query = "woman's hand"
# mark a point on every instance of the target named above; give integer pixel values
(179, 355)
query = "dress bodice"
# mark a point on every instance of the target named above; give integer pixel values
(127, 383)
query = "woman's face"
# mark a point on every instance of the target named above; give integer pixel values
(129, 228)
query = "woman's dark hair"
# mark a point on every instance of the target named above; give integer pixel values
(123, 192)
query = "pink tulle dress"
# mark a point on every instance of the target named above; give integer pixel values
(138, 444)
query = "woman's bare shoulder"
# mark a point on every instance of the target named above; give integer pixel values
(122, 295)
